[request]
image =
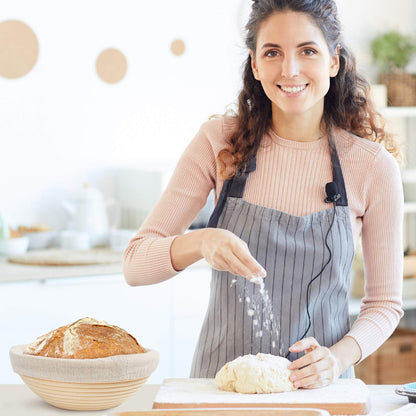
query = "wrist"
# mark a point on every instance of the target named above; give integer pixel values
(186, 249)
(347, 353)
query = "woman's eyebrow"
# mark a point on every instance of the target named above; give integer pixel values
(275, 45)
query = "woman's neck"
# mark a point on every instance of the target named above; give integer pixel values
(297, 128)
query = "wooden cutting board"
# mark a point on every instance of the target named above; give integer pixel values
(227, 412)
(61, 257)
(343, 397)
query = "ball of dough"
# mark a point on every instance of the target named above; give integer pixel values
(261, 373)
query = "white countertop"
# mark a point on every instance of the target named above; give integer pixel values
(10, 272)
(18, 400)
(13, 273)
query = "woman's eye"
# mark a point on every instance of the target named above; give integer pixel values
(271, 54)
(309, 52)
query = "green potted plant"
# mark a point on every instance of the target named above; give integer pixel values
(393, 52)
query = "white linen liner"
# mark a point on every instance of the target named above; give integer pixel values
(89, 370)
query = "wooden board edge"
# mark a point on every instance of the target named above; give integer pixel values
(332, 408)
(227, 412)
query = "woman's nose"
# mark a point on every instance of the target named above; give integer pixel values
(290, 67)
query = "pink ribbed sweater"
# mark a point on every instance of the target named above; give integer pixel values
(291, 177)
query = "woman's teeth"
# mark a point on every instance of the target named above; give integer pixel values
(293, 89)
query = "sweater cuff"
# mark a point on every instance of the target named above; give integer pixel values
(366, 340)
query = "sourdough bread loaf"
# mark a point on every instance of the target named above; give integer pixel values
(85, 338)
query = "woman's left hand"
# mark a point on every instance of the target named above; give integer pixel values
(318, 367)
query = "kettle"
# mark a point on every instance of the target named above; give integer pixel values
(87, 212)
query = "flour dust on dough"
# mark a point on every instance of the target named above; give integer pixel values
(261, 373)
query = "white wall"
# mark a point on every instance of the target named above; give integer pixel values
(61, 126)
(364, 19)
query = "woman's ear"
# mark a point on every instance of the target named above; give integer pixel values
(254, 66)
(334, 68)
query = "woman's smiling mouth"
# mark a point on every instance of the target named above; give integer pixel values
(292, 89)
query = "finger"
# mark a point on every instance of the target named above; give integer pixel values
(314, 381)
(304, 344)
(231, 263)
(318, 373)
(307, 345)
(316, 367)
(244, 256)
(311, 357)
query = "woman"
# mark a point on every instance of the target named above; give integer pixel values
(304, 125)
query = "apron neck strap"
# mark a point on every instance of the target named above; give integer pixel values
(338, 177)
(234, 187)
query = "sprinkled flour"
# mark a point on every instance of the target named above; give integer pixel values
(261, 310)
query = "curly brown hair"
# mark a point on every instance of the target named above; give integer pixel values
(347, 104)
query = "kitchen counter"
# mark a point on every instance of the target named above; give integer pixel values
(19, 400)
(12, 272)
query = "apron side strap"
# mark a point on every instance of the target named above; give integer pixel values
(215, 216)
(233, 187)
(240, 179)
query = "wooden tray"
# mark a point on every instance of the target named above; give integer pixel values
(227, 412)
(343, 397)
(61, 257)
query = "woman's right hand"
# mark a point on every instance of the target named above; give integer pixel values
(223, 250)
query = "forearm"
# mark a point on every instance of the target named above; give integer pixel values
(347, 352)
(147, 261)
(186, 249)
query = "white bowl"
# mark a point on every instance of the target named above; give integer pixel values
(13, 246)
(84, 384)
(75, 240)
(40, 239)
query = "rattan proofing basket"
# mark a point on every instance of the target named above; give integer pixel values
(88, 384)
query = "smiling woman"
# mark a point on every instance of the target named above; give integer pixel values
(294, 65)
(299, 172)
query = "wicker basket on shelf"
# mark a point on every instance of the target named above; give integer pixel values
(401, 88)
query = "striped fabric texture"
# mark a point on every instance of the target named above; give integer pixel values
(292, 250)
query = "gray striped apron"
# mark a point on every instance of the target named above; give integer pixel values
(245, 318)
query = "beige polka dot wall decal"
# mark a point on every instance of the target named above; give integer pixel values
(111, 65)
(178, 47)
(19, 49)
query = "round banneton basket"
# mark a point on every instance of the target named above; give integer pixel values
(84, 384)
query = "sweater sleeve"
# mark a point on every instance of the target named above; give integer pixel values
(382, 241)
(147, 258)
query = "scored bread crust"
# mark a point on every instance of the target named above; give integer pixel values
(85, 338)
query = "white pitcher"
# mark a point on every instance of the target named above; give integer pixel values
(88, 212)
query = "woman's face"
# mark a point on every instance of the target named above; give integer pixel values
(293, 64)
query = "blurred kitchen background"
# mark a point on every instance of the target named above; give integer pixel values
(108, 94)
